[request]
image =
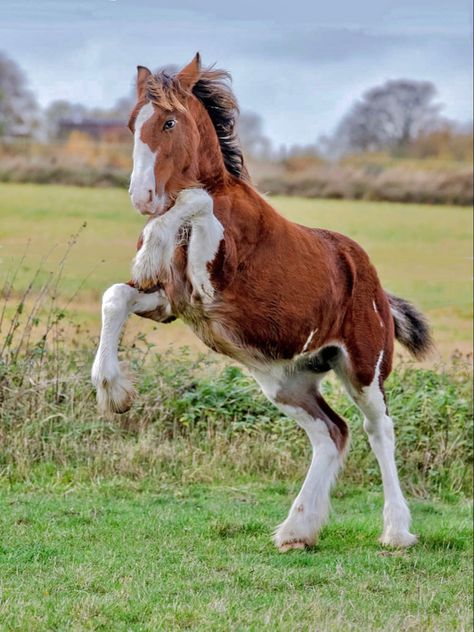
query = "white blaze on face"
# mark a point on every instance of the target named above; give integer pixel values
(142, 183)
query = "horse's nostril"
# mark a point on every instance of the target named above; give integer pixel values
(150, 195)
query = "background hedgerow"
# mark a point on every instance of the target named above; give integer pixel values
(81, 161)
(393, 184)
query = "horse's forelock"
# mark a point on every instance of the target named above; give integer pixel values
(164, 91)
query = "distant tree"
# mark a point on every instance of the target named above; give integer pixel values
(18, 108)
(250, 131)
(388, 117)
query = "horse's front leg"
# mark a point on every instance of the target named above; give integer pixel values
(153, 260)
(115, 390)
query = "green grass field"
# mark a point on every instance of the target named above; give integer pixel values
(193, 557)
(422, 252)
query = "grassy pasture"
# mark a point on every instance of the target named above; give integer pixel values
(421, 252)
(128, 557)
(160, 519)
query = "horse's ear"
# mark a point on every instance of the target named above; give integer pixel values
(142, 77)
(190, 74)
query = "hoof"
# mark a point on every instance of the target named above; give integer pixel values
(290, 546)
(294, 534)
(115, 395)
(401, 540)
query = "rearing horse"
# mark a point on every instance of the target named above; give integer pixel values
(289, 302)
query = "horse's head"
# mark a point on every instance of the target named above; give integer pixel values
(166, 137)
(183, 126)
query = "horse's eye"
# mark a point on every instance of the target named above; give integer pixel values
(169, 124)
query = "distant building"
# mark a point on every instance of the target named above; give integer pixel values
(104, 130)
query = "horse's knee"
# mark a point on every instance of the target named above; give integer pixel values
(117, 297)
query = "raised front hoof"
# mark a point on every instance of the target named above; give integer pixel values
(115, 395)
(400, 540)
(146, 271)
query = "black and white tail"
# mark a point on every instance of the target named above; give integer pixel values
(411, 327)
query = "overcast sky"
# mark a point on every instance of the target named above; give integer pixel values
(299, 64)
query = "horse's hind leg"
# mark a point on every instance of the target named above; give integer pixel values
(297, 396)
(370, 399)
(310, 509)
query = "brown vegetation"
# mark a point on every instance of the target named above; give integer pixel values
(394, 184)
(437, 170)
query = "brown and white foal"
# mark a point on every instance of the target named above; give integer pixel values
(289, 302)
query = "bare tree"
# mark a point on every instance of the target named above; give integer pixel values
(388, 117)
(18, 109)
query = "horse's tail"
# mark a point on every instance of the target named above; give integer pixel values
(411, 327)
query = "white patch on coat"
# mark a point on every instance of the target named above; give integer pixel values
(372, 396)
(142, 189)
(378, 315)
(206, 234)
(270, 377)
(161, 235)
(308, 341)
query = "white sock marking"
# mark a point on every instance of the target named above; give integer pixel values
(310, 509)
(379, 427)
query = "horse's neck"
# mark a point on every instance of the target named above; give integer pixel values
(212, 180)
(210, 167)
(246, 216)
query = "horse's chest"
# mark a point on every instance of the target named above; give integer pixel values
(202, 317)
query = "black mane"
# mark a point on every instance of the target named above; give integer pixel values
(214, 92)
